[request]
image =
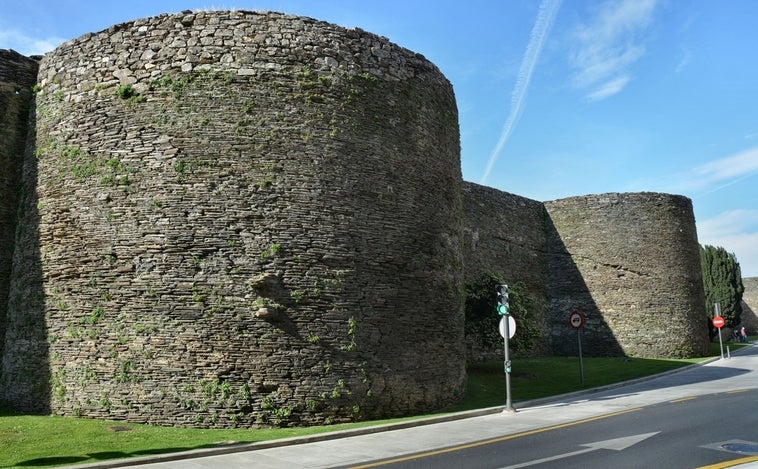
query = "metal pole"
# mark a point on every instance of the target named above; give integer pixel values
(717, 307)
(721, 344)
(581, 363)
(508, 403)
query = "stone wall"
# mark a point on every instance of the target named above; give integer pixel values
(630, 263)
(505, 234)
(750, 305)
(238, 218)
(18, 74)
(243, 218)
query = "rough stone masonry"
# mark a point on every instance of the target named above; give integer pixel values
(225, 219)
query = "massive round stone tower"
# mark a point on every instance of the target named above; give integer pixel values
(630, 263)
(240, 218)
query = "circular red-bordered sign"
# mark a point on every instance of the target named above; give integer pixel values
(576, 319)
(718, 321)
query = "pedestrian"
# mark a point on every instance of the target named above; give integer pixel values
(743, 334)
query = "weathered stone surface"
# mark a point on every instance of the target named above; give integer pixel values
(178, 157)
(18, 75)
(750, 305)
(238, 218)
(630, 263)
(505, 234)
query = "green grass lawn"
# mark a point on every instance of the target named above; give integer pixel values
(47, 441)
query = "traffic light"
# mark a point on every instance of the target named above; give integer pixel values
(502, 300)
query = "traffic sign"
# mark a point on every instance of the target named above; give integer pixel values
(718, 321)
(511, 326)
(576, 319)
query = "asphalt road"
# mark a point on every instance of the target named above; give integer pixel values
(683, 433)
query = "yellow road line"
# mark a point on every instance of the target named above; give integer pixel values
(684, 399)
(733, 462)
(492, 440)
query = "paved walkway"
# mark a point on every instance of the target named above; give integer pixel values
(360, 446)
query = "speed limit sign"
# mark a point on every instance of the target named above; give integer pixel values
(576, 319)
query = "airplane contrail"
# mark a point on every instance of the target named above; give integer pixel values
(545, 16)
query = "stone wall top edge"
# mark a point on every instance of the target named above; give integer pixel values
(620, 197)
(17, 69)
(221, 15)
(469, 186)
(10, 54)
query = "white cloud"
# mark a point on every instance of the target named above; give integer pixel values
(609, 89)
(735, 166)
(737, 232)
(729, 223)
(27, 45)
(721, 173)
(607, 46)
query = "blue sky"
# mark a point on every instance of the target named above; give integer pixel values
(556, 98)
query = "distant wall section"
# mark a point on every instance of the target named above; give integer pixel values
(630, 263)
(750, 305)
(505, 234)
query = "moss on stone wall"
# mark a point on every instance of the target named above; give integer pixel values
(237, 225)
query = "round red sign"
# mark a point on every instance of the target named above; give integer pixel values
(576, 319)
(718, 321)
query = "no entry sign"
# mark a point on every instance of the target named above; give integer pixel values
(576, 319)
(718, 321)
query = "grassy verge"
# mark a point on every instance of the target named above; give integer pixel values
(47, 441)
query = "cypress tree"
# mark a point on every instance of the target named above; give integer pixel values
(722, 281)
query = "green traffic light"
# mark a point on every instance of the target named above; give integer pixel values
(502, 310)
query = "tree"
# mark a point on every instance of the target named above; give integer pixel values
(722, 281)
(482, 318)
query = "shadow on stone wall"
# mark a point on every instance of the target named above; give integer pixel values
(25, 381)
(567, 291)
(749, 319)
(750, 305)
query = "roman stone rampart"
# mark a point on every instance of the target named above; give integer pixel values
(505, 234)
(630, 263)
(241, 218)
(238, 218)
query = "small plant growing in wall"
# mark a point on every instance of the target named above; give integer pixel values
(129, 94)
(274, 412)
(272, 250)
(126, 91)
(352, 325)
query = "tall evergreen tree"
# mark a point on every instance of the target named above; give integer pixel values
(722, 281)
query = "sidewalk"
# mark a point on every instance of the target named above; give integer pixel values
(361, 445)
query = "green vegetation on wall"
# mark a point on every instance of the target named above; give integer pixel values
(482, 318)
